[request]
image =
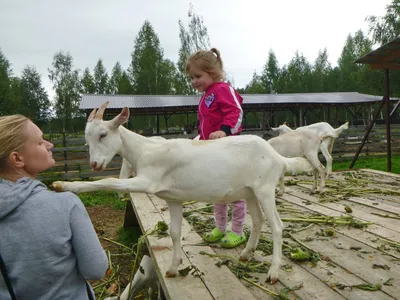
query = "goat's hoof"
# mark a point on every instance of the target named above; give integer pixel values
(272, 278)
(243, 259)
(57, 186)
(170, 274)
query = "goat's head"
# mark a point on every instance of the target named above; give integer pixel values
(282, 129)
(103, 137)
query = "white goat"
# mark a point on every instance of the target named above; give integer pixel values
(213, 171)
(302, 143)
(126, 168)
(145, 277)
(321, 128)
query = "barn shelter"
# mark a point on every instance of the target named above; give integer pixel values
(387, 58)
(300, 104)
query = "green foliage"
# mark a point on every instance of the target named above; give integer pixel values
(149, 72)
(386, 28)
(87, 82)
(35, 102)
(376, 163)
(100, 78)
(102, 198)
(192, 39)
(5, 85)
(67, 86)
(129, 236)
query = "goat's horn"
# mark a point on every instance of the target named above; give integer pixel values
(284, 123)
(92, 115)
(101, 110)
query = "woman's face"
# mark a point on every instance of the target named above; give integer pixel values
(36, 153)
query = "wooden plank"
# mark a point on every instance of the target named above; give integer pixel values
(315, 207)
(219, 282)
(380, 172)
(331, 274)
(360, 212)
(338, 250)
(380, 206)
(222, 285)
(188, 287)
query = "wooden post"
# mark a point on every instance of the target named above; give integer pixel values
(388, 135)
(130, 219)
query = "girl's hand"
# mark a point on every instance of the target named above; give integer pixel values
(217, 135)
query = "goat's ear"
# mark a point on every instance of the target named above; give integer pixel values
(92, 115)
(121, 118)
(275, 128)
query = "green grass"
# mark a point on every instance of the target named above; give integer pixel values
(102, 198)
(129, 236)
(376, 163)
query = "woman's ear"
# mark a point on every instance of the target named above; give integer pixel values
(16, 160)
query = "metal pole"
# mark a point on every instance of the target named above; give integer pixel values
(388, 136)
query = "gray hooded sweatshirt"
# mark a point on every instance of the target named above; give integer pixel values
(47, 242)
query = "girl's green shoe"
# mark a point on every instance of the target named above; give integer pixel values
(232, 240)
(214, 236)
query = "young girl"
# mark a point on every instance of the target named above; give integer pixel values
(220, 115)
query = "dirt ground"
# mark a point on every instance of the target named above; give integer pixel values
(107, 223)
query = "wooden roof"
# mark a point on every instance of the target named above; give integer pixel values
(385, 57)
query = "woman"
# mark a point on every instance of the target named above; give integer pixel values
(48, 244)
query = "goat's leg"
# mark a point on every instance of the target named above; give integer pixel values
(314, 161)
(266, 197)
(175, 210)
(281, 184)
(131, 185)
(325, 152)
(257, 219)
(125, 173)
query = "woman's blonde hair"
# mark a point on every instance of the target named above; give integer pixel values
(12, 136)
(208, 61)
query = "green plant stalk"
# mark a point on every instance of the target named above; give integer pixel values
(329, 221)
(261, 287)
(114, 242)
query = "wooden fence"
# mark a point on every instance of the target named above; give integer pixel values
(72, 156)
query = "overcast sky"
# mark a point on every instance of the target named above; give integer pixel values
(32, 31)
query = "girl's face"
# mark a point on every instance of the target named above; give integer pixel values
(36, 155)
(201, 80)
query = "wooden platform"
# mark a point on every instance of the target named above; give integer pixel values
(348, 256)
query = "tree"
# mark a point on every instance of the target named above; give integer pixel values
(66, 85)
(87, 82)
(354, 77)
(34, 99)
(148, 67)
(5, 85)
(320, 72)
(270, 73)
(256, 85)
(116, 75)
(299, 75)
(194, 39)
(124, 85)
(387, 28)
(100, 77)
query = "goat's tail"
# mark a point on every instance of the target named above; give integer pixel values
(342, 128)
(297, 165)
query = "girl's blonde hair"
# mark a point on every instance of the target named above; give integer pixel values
(12, 137)
(208, 61)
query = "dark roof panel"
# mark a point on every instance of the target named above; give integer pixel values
(159, 101)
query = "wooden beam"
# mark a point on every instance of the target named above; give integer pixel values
(390, 66)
